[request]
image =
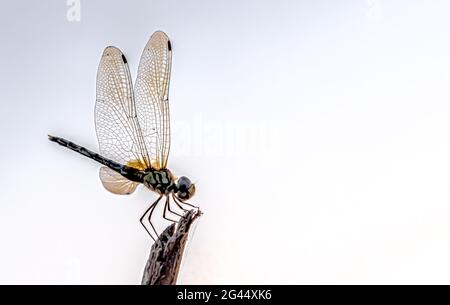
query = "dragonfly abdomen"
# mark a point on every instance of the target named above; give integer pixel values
(130, 173)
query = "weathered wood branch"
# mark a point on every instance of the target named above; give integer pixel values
(166, 253)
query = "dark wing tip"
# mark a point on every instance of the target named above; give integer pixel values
(51, 138)
(124, 59)
(111, 51)
(169, 45)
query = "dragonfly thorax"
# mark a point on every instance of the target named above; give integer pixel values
(160, 181)
(163, 182)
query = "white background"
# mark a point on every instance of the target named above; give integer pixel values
(317, 133)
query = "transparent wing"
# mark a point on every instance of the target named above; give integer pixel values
(152, 97)
(118, 131)
(115, 182)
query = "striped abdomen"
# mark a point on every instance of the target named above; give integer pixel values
(128, 172)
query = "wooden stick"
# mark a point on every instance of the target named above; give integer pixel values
(166, 253)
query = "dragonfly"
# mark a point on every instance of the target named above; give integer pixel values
(133, 129)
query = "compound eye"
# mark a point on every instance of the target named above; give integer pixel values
(183, 183)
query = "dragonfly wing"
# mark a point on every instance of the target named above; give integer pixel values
(115, 182)
(118, 131)
(152, 97)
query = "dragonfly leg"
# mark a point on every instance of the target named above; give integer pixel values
(150, 215)
(167, 208)
(152, 207)
(179, 202)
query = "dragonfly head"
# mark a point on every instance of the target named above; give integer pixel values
(185, 188)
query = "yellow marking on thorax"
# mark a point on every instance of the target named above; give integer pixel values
(138, 164)
(155, 165)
